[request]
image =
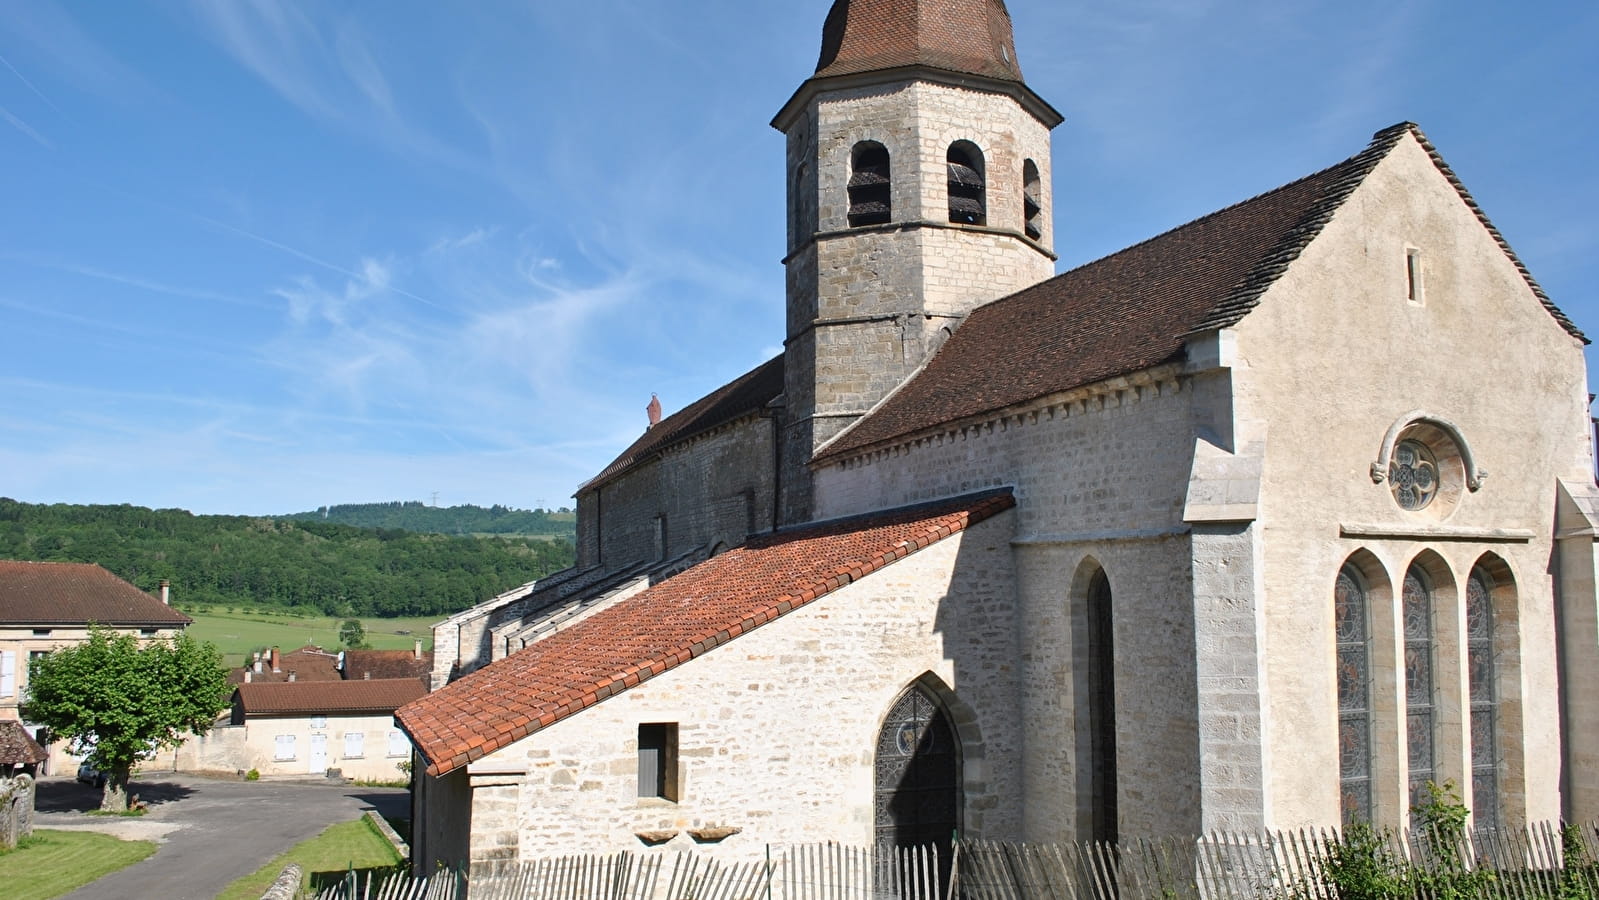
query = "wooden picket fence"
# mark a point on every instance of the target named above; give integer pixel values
(1537, 863)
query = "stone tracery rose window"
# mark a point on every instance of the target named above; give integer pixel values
(1413, 474)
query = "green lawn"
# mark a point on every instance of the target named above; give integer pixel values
(52, 863)
(327, 856)
(236, 634)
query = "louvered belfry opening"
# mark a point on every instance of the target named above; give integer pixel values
(870, 184)
(1032, 201)
(966, 187)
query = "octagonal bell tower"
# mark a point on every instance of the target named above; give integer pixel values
(918, 189)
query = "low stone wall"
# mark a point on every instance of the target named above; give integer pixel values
(16, 810)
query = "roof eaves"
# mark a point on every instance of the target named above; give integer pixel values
(984, 505)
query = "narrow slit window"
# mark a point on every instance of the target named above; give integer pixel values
(1350, 623)
(1420, 713)
(870, 186)
(657, 760)
(1484, 700)
(967, 185)
(1413, 276)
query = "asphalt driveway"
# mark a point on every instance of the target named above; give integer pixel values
(210, 831)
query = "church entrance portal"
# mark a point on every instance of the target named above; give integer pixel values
(918, 776)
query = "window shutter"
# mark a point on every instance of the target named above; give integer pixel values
(8, 673)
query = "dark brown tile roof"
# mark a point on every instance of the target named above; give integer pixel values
(60, 593)
(670, 624)
(305, 698)
(1133, 309)
(17, 747)
(970, 36)
(743, 395)
(387, 664)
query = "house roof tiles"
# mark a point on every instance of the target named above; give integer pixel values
(17, 747)
(376, 664)
(372, 697)
(669, 624)
(1133, 309)
(65, 593)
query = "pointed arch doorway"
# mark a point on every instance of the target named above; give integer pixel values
(918, 771)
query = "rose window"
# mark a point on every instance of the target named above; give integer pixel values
(1413, 475)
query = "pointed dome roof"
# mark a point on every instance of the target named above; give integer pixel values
(968, 36)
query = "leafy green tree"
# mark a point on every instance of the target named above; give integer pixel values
(353, 634)
(119, 702)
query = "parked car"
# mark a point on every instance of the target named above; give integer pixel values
(88, 774)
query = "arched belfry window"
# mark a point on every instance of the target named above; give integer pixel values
(1351, 624)
(1484, 698)
(870, 186)
(1420, 713)
(967, 204)
(1032, 201)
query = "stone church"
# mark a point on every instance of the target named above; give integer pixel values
(1264, 522)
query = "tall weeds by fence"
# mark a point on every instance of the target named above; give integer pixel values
(1542, 862)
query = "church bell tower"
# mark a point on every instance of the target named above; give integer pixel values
(918, 189)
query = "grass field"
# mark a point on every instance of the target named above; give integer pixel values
(236, 634)
(52, 863)
(324, 857)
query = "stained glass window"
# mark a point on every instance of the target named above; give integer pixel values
(1420, 716)
(1413, 475)
(1350, 614)
(1484, 701)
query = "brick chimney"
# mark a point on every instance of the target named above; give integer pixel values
(166, 592)
(654, 409)
(276, 663)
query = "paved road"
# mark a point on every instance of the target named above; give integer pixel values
(210, 832)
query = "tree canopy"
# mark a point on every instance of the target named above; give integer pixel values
(464, 519)
(119, 701)
(338, 570)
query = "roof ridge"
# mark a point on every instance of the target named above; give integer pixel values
(1246, 295)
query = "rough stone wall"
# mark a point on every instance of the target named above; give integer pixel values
(1099, 476)
(16, 810)
(776, 729)
(716, 488)
(1332, 358)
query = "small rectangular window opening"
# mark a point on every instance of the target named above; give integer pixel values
(657, 760)
(41, 632)
(1413, 275)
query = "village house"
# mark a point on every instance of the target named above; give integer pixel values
(45, 606)
(1264, 522)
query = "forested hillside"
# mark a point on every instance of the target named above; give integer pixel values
(466, 519)
(239, 560)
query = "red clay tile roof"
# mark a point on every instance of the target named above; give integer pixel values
(61, 593)
(307, 663)
(1134, 309)
(971, 36)
(743, 395)
(304, 698)
(387, 664)
(670, 624)
(17, 747)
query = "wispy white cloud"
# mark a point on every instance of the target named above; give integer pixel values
(25, 128)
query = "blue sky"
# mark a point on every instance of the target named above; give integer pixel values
(258, 256)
